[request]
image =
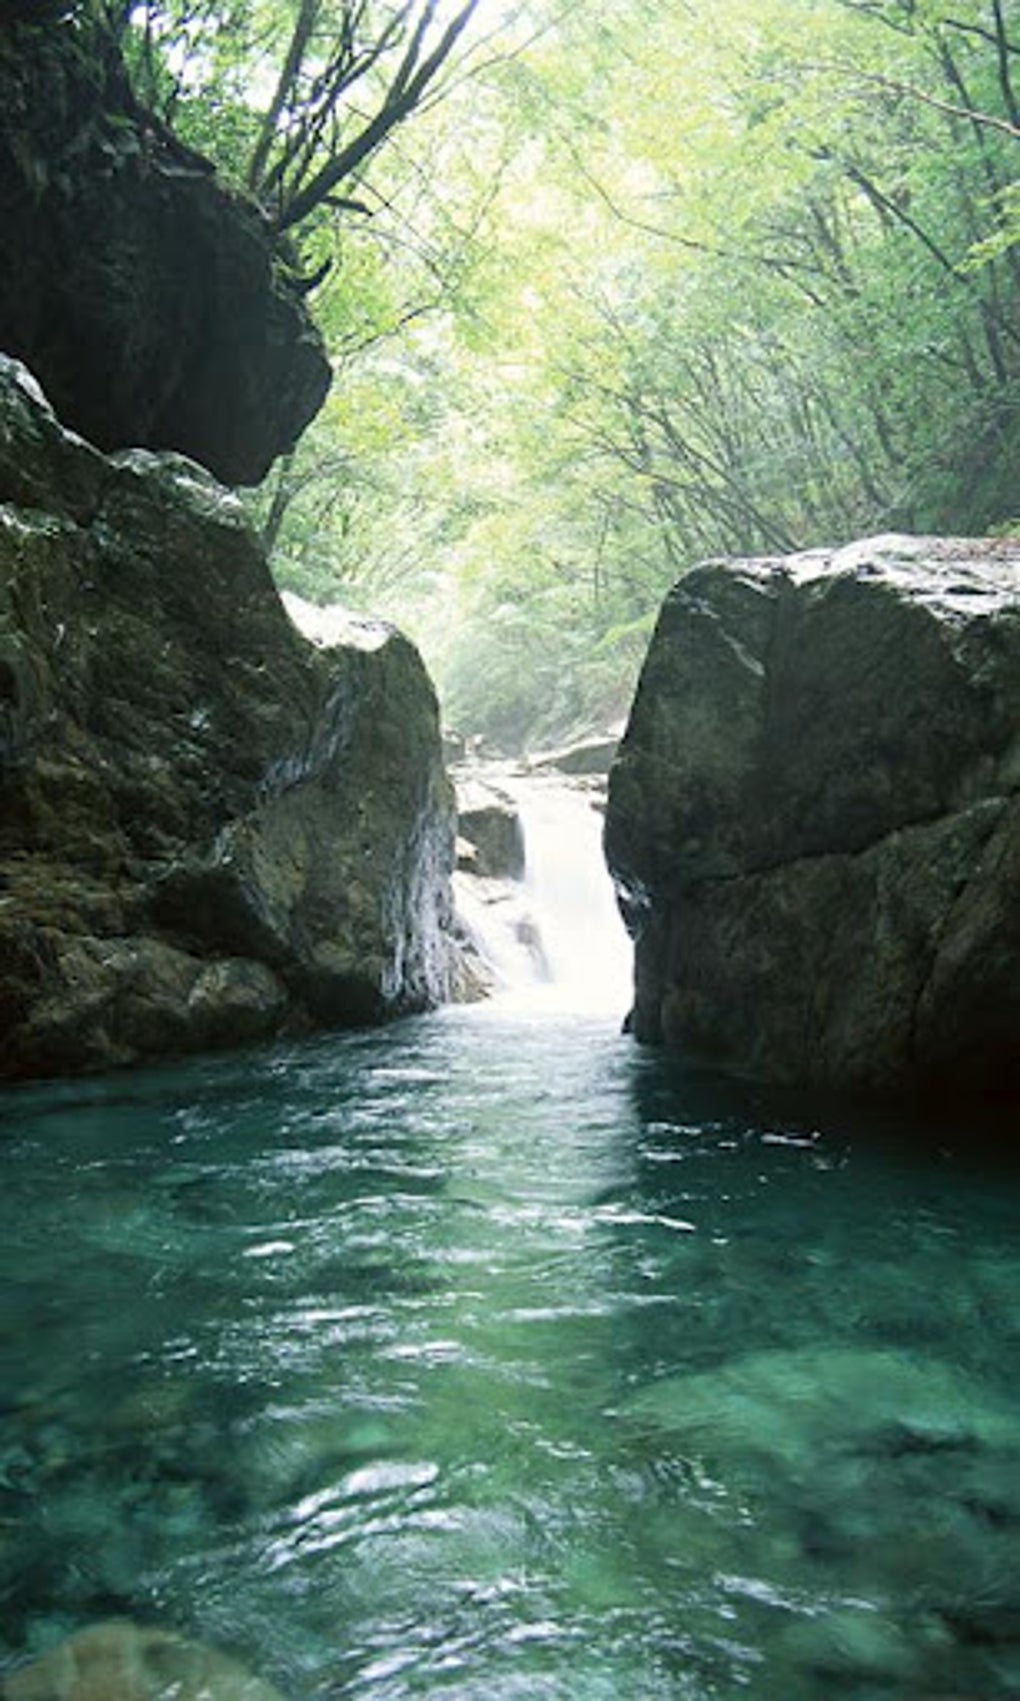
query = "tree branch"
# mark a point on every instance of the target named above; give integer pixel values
(893, 85)
(403, 96)
(290, 70)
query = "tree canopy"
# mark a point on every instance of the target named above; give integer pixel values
(611, 289)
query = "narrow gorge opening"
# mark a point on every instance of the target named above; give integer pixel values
(381, 1321)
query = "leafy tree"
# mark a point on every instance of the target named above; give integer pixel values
(663, 281)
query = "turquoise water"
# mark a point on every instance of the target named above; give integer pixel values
(490, 1357)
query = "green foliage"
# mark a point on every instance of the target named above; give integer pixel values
(665, 281)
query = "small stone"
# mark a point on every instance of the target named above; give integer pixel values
(122, 1661)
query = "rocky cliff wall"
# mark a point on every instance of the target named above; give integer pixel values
(210, 831)
(814, 820)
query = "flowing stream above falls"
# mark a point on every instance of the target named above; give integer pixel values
(490, 1356)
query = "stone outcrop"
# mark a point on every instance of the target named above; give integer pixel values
(490, 830)
(591, 756)
(493, 915)
(814, 821)
(210, 830)
(149, 299)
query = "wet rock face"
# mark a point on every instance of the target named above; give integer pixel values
(492, 837)
(210, 831)
(814, 821)
(146, 297)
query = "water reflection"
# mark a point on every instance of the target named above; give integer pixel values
(485, 1357)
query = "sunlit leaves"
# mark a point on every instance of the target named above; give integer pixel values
(712, 275)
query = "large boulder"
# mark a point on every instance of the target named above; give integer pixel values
(149, 299)
(814, 824)
(210, 830)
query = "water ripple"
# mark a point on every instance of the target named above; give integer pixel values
(482, 1359)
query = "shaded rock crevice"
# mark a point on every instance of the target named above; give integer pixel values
(813, 820)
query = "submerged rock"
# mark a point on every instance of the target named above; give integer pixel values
(894, 1470)
(211, 831)
(785, 1408)
(814, 821)
(121, 1661)
(150, 300)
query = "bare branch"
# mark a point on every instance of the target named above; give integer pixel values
(290, 70)
(894, 85)
(403, 96)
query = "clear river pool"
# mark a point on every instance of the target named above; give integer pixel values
(490, 1356)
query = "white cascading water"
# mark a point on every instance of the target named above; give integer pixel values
(559, 942)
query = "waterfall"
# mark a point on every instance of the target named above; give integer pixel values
(554, 939)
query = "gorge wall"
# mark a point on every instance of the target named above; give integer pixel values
(814, 819)
(211, 832)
